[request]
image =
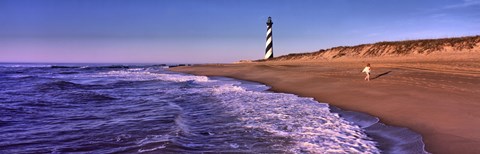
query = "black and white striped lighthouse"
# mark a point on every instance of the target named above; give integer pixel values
(269, 44)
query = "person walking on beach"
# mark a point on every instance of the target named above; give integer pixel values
(367, 70)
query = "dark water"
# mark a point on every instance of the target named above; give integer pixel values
(145, 109)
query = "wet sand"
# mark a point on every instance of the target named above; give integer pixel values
(436, 97)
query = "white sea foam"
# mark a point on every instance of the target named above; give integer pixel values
(152, 149)
(25, 65)
(142, 75)
(153, 139)
(313, 127)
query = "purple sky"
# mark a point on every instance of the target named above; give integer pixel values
(209, 31)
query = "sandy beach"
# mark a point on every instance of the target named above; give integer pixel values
(438, 97)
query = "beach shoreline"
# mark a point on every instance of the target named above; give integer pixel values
(435, 97)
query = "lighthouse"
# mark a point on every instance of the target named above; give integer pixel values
(269, 44)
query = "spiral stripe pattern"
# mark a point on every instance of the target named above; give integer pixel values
(269, 43)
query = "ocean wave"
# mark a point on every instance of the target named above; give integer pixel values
(13, 72)
(141, 75)
(60, 66)
(313, 127)
(25, 65)
(58, 85)
(390, 139)
(68, 72)
(66, 85)
(90, 96)
(106, 67)
(39, 103)
(22, 76)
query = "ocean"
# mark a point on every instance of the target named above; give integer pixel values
(90, 108)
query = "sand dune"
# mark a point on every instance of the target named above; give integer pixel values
(395, 49)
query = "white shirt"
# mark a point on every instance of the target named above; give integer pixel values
(366, 69)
